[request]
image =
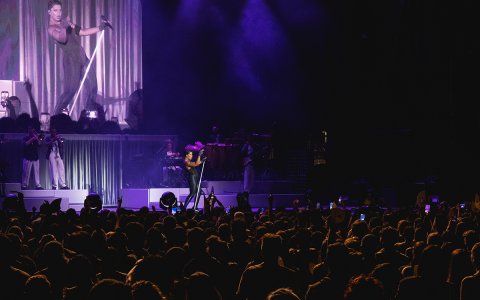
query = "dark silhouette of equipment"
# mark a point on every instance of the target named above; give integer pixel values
(93, 202)
(167, 201)
(14, 203)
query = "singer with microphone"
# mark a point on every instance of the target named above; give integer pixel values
(31, 143)
(55, 158)
(193, 177)
(75, 61)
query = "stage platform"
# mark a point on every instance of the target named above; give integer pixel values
(284, 192)
(136, 198)
(35, 198)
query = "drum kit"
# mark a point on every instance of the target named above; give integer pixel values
(225, 159)
(223, 156)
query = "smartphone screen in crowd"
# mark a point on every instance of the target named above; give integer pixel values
(427, 208)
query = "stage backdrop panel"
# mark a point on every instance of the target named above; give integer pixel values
(101, 163)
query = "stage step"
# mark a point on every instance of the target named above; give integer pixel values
(38, 201)
(35, 198)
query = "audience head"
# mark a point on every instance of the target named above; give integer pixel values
(146, 290)
(239, 215)
(388, 237)
(359, 229)
(389, 276)
(110, 289)
(80, 270)
(337, 257)
(353, 243)
(408, 234)
(282, 294)
(431, 263)
(38, 287)
(200, 286)
(364, 287)
(434, 239)
(271, 247)
(475, 256)
(460, 266)
(369, 244)
(196, 240)
(470, 238)
(53, 253)
(7, 251)
(239, 230)
(420, 234)
(224, 232)
(402, 224)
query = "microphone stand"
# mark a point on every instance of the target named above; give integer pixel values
(86, 73)
(195, 204)
(99, 40)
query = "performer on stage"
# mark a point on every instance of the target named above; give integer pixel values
(215, 135)
(193, 177)
(75, 61)
(169, 150)
(55, 159)
(247, 153)
(170, 169)
(31, 142)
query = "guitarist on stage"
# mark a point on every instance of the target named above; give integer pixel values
(247, 153)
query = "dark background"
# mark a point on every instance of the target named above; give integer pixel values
(394, 83)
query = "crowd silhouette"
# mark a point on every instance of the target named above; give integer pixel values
(243, 254)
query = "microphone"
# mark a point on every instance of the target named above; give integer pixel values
(106, 22)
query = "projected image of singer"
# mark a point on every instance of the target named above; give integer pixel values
(193, 178)
(75, 61)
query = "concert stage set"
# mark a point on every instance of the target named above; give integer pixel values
(132, 167)
(143, 77)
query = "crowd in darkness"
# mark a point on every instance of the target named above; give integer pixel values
(303, 253)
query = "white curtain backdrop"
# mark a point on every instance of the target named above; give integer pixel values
(118, 62)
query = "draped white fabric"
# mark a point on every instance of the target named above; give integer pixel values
(118, 62)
